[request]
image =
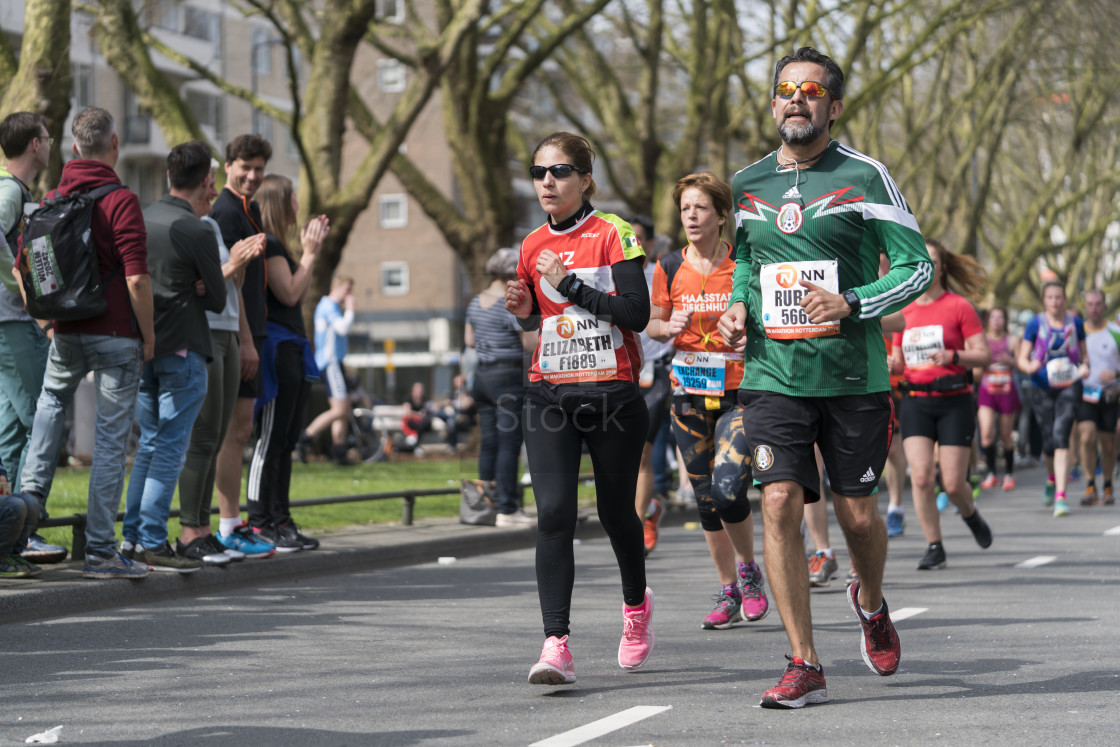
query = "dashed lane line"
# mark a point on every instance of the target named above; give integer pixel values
(595, 729)
(1113, 532)
(1036, 561)
(907, 612)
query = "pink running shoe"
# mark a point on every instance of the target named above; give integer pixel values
(1009, 482)
(878, 641)
(989, 482)
(555, 666)
(728, 609)
(755, 604)
(637, 634)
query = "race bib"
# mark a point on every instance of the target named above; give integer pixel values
(575, 346)
(1091, 394)
(1060, 373)
(998, 379)
(918, 343)
(782, 316)
(702, 373)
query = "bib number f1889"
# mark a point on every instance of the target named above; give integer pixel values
(575, 346)
(782, 315)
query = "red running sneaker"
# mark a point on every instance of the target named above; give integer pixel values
(1009, 482)
(637, 634)
(801, 684)
(555, 666)
(878, 640)
(652, 524)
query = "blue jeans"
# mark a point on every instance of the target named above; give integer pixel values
(116, 363)
(23, 358)
(19, 515)
(499, 392)
(172, 390)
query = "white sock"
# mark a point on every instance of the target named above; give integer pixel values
(894, 509)
(828, 553)
(226, 526)
(870, 615)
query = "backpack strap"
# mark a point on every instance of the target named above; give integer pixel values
(670, 263)
(98, 192)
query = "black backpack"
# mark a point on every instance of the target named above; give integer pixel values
(59, 266)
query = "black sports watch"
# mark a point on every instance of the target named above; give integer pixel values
(853, 301)
(573, 289)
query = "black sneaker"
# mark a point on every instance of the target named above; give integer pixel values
(980, 529)
(284, 541)
(303, 447)
(166, 559)
(306, 543)
(934, 557)
(203, 551)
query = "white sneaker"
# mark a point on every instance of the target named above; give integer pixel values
(517, 519)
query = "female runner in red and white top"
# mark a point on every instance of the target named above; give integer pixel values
(942, 340)
(690, 291)
(580, 282)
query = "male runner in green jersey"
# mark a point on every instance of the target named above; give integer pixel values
(811, 220)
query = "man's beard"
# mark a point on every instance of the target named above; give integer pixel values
(799, 134)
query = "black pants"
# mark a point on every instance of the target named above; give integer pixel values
(280, 422)
(499, 392)
(554, 440)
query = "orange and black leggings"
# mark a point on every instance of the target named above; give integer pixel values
(713, 443)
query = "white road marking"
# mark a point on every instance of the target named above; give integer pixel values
(596, 729)
(1113, 532)
(1036, 561)
(907, 612)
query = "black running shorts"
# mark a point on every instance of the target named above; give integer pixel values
(854, 433)
(950, 421)
(1103, 414)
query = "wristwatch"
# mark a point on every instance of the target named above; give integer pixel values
(853, 301)
(573, 289)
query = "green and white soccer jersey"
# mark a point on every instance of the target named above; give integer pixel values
(826, 224)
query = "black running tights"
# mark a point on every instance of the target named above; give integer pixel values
(554, 440)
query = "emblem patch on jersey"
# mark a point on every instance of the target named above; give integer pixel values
(630, 242)
(789, 217)
(763, 458)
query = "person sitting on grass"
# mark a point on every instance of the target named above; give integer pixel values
(19, 515)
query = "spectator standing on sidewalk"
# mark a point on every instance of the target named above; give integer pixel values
(223, 378)
(808, 298)
(239, 217)
(499, 385)
(580, 283)
(23, 344)
(287, 364)
(332, 324)
(114, 346)
(187, 282)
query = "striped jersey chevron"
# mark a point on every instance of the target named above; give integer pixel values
(826, 224)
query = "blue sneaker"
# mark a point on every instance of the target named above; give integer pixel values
(1075, 473)
(895, 523)
(243, 540)
(942, 501)
(40, 551)
(1048, 494)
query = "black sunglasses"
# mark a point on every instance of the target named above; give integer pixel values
(558, 170)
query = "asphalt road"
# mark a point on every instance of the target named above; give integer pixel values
(437, 654)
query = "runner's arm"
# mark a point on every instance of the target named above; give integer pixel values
(628, 308)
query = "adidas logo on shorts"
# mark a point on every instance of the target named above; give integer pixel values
(868, 476)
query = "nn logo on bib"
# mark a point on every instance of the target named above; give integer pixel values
(868, 476)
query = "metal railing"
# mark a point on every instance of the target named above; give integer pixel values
(408, 505)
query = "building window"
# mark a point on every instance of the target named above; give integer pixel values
(164, 14)
(262, 51)
(262, 125)
(291, 146)
(199, 24)
(208, 110)
(390, 10)
(390, 76)
(394, 211)
(83, 86)
(394, 278)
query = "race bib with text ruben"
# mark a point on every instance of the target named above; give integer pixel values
(782, 315)
(918, 343)
(702, 373)
(1060, 372)
(575, 346)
